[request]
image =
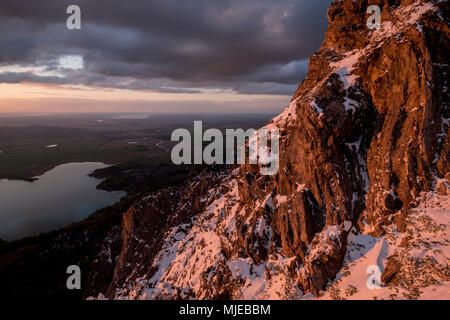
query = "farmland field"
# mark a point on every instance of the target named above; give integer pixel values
(32, 145)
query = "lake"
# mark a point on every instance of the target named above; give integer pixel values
(58, 198)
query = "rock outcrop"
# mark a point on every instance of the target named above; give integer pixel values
(365, 136)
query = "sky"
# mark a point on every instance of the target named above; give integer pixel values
(156, 55)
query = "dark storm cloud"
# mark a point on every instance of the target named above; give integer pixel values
(251, 46)
(18, 77)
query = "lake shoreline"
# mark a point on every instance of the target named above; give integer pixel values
(33, 174)
(63, 195)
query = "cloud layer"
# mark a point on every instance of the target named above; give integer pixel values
(247, 46)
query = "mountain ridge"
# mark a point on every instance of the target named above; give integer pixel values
(363, 172)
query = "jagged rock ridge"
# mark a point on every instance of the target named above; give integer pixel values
(364, 142)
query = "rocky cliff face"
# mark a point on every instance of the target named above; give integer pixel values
(364, 143)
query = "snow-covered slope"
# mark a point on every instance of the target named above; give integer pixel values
(192, 261)
(362, 187)
(422, 257)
